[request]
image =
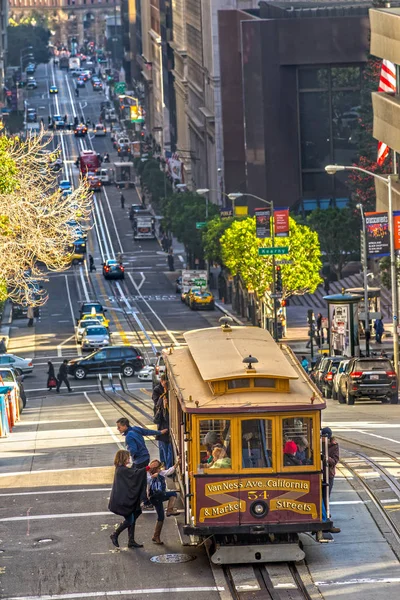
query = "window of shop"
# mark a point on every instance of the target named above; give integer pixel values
(215, 444)
(329, 110)
(297, 436)
(256, 435)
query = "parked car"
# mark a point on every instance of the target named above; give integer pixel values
(337, 377)
(368, 378)
(318, 370)
(330, 367)
(159, 369)
(21, 365)
(95, 336)
(116, 359)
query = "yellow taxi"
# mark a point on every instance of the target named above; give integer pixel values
(99, 316)
(201, 299)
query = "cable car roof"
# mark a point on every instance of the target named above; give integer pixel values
(219, 354)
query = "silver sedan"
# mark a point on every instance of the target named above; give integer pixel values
(95, 337)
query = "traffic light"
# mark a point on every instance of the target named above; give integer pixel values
(310, 316)
(278, 281)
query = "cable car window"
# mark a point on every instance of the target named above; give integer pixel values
(297, 435)
(235, 384)
(215, 444)
(256, 443)
(263, 382)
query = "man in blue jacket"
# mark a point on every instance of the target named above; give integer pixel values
(135, 443)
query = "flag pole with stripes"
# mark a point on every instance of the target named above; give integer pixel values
(387, 83)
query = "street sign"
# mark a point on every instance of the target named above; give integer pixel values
(120, 87)
(284, 261)
(273, 250)
(277, 295)
(200, 282)
(201, 224)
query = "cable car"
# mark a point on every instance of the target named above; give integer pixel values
(245, 420)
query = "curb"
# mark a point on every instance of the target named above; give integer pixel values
(228, 313)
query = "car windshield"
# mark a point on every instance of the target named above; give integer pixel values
(7, 376)
(96, 331)
(89, 323)
(87, 308)
(373, 365)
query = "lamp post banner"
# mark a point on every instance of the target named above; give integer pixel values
(281, 220)
(263, 222)
(396, 229)
(378, 238)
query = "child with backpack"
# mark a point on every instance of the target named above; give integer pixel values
(158, 494)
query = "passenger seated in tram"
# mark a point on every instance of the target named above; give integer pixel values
(289, 455)
(302, 445)
(220, 459)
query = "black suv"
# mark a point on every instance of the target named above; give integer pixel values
(371, 378)
(117, 359)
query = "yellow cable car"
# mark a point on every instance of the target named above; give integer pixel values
(246, 421)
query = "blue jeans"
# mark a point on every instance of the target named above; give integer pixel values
(157, 502)
(165, 449)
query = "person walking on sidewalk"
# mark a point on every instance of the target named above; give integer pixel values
(158, 494)
(31, 315)
(3, 346)
(63, 376)
(379, 329)
(127, 490)
(51, 376)
(122, 199)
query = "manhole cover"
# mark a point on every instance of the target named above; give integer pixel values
(172, 558)
(45, 541)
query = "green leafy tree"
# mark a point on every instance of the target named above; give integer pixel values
(181, 213)
(23, 35)
(339, 234)
(240, 254)
(211, 236)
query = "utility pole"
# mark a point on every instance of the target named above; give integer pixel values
(364, 258)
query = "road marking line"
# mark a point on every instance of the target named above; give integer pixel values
(169, 333)
(18, 473)
(102, 419)
(358, 581)
(139, 592)
(85, 291)
(78, 348)
(59, 492)
(55, 516)
(181, 258)
(143, 280)
(59, 347)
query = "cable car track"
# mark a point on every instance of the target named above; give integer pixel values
(278, 581)
(370, 475)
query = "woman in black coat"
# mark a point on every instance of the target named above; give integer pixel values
(127, 490)
(51, 376)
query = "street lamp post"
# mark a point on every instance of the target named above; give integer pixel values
(234, 196)
(204, 192)
(331, 170)
(365, 271)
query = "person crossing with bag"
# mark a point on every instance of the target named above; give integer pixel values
(158, 494)
(51, 376)
(126, 493)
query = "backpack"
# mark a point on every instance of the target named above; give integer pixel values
(157, 486)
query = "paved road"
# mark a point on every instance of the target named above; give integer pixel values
(55, 469)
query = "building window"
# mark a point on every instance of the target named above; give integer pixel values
(329, 103)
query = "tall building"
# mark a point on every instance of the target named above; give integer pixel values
(3, 45)
(291, 83)
(80, 19)
(197, 84)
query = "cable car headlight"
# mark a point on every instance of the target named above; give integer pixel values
(259, 509)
